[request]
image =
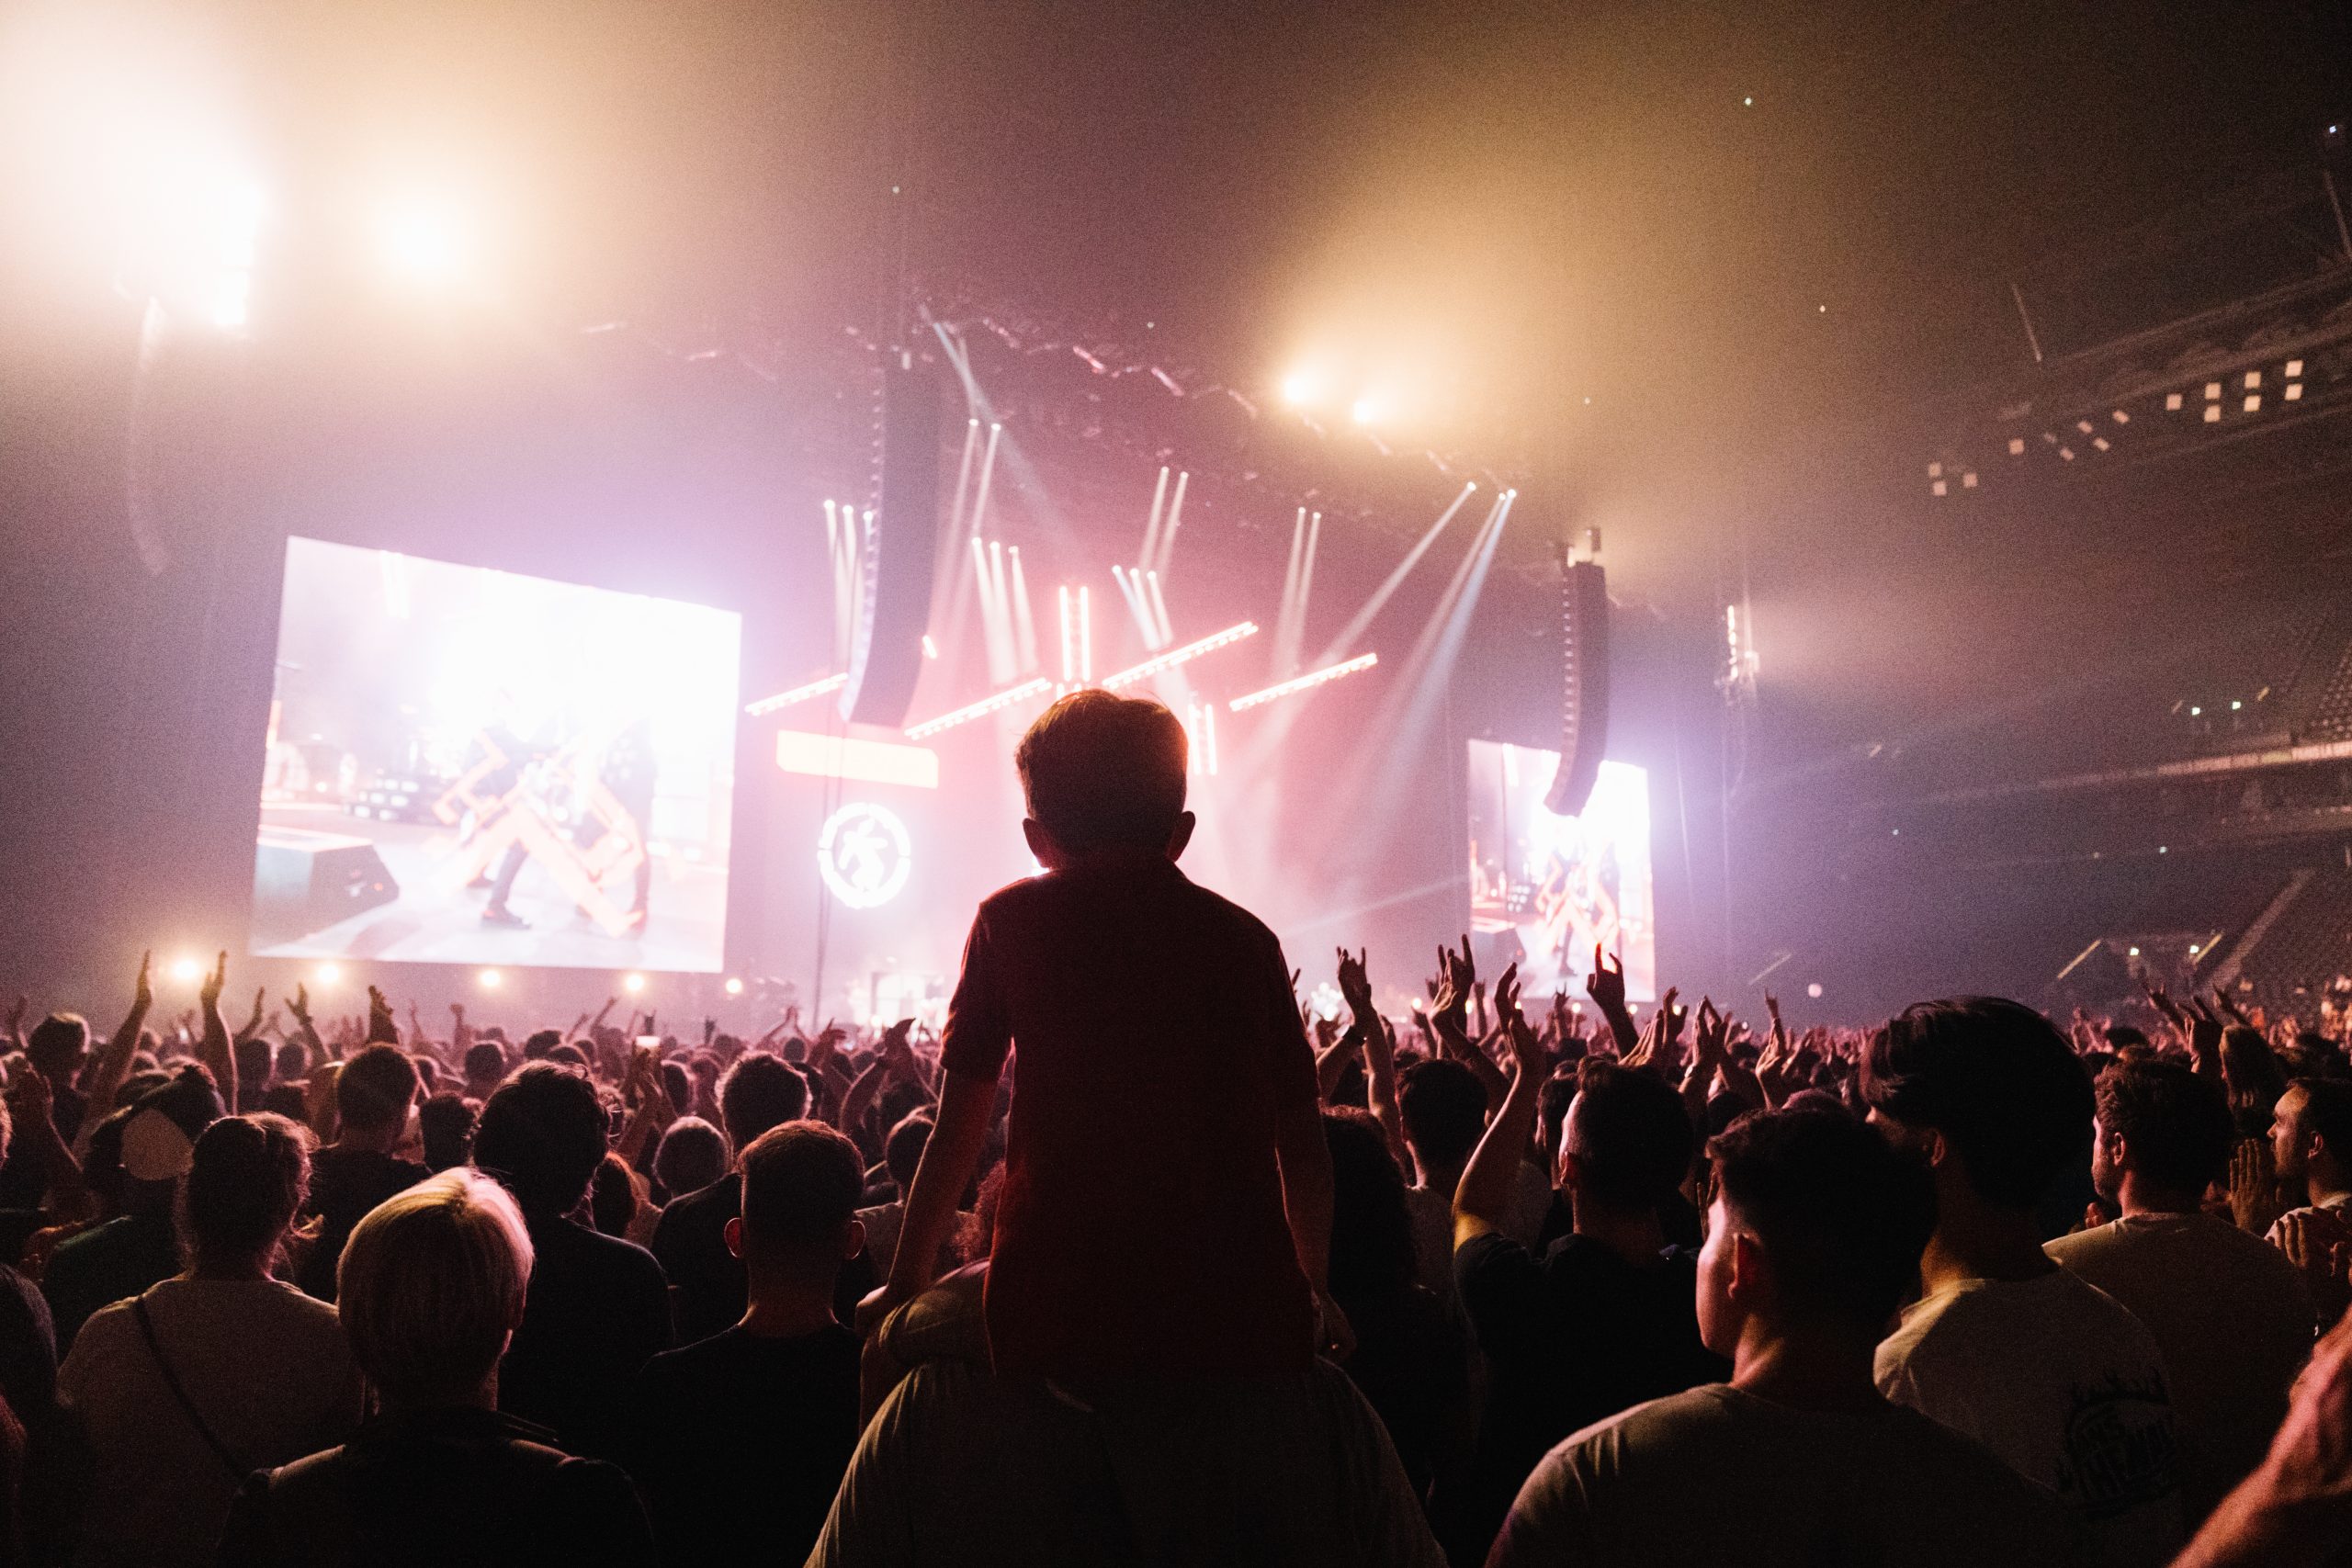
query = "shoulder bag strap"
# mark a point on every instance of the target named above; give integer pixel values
(237, 1472)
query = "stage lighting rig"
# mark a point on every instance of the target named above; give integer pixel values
(1305, 682)
(1176, 656)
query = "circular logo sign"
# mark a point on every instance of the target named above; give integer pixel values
(865, 855)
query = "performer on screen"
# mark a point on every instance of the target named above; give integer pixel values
(627, 771)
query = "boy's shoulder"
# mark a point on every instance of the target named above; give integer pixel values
(1051, 890)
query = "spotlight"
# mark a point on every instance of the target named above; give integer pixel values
(490, 979)
(734, 986)
(188, 970)
(632, 983)
(1366, 409)
(327, 974)
(419, 240)
(1814, 990)
(1298, 388)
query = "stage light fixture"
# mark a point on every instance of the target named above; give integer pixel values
(799, 693)
(188, 970)
(981, 709)
(1305, 682)
(633, 984)
(1366, 410)
(490, 979)
(1169, 661)
(419, 240)
(1814, 990)
(327, 974)
(734, 986)
(1298, 388)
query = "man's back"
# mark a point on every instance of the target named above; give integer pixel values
(2062, 1383)
(2230, 1316)
(345, 1184)
(707, 1282)
(742, 1438)
(1142, 1222)
(597, 1310)
(1717, 1475)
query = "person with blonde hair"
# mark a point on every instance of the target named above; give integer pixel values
(430, 1290)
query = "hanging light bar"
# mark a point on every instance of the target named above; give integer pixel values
(1305, 682)
(797, 694)
(981, 709)
(1175, 656)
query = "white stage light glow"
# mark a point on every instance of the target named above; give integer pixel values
(1175, 656)
(981, 709)
(798, 694)
(420, 240)
(865, 855)
(633, 984)
(1305, 682)
(188, 970)
(734, 986)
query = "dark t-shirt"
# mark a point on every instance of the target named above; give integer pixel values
(598, 1310)
(707, 1287)
(24, 1174)
(1141, 1228)
(1570, 1339)
(345, 1184)
(28, 1349)
(741, 1438)
(105, 1265)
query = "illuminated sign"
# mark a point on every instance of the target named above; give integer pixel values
(865, 855)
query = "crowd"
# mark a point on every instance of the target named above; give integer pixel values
(1136, 1262)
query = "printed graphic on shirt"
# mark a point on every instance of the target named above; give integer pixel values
(2120, 1454)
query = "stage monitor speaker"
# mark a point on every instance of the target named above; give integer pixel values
(894, 579)
(1584, 709)
(306, 881)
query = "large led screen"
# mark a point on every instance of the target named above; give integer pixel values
(1545, 888)
(466, 766)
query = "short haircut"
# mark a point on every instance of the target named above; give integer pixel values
(430, 1283)
(446, 1122)
(293, 1062)
(760, 1092)
(1372, 1228)
(1630, 1135)
(2328, 1110)
(375, 1089)
(1841, 1213)
(62, 1037)
(2176, 1125)
(485, 1062)
(246, 1181)
(1098, 769)
(542, 1134)
(255, 1059)
(1445, 1110)
(536, 1047)
(802, 1181)
(902, 1150)
(693, 1155)
(1996, 1079)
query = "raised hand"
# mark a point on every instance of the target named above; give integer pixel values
(1355, 985)
(381, 1029)
(29, 1105)
(142, 994)
(298, 1006)
(208, 994)
(1606, 986)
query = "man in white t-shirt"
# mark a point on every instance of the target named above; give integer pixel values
(2230, 1316)
(2048, 1372)
(1813, 1235)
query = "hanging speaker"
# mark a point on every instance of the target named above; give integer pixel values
(894, 568)
(1584, 710)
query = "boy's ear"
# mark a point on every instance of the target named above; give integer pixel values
(1181, 834)
(1049, 853)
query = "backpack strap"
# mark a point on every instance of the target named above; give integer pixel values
(237, 1472)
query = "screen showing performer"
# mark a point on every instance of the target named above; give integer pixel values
(466, 766)
(1544, 890)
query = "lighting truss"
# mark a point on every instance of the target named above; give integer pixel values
(797, 694)
(1175, 656)
(1305, 682)
(981, 709)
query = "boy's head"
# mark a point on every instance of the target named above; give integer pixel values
(542, 1134)
(2161, 1124)
(1988, 1090)
(57, 1045)
(1445, 1110)
(373, 1092)
(1628, 1141)
(1818, 1222)
(902, 1152)
(1100, 771)
(801, 1184)
(485, 1065)
(759, 1092)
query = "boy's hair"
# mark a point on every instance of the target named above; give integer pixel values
(1630, 1135)
(1996, 1079)
(1842, 1213)
(446, 1122)
(1445, 1110)
(543, 1134)
(485, 1062)
(902, 1150)
(57, 1041)
(2175, 1124)
(429, 1285)
(1098, 769)
(375, 1089)
(536, 1047)
(760, 1092)
(801, 1184)
(691, 1156)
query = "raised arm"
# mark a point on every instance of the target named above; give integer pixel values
(950, 1161)
(1379, 1055)
(112, 1065)
(212, 1048)
(1490, 1186)
(1606, 987)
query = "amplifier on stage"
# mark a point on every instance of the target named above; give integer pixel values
(305, 881)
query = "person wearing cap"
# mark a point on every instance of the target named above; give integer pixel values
(181, 1391)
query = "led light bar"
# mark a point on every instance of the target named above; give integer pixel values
(1305, 682)
(797, 694)
(981, 709)
(1175, 656)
